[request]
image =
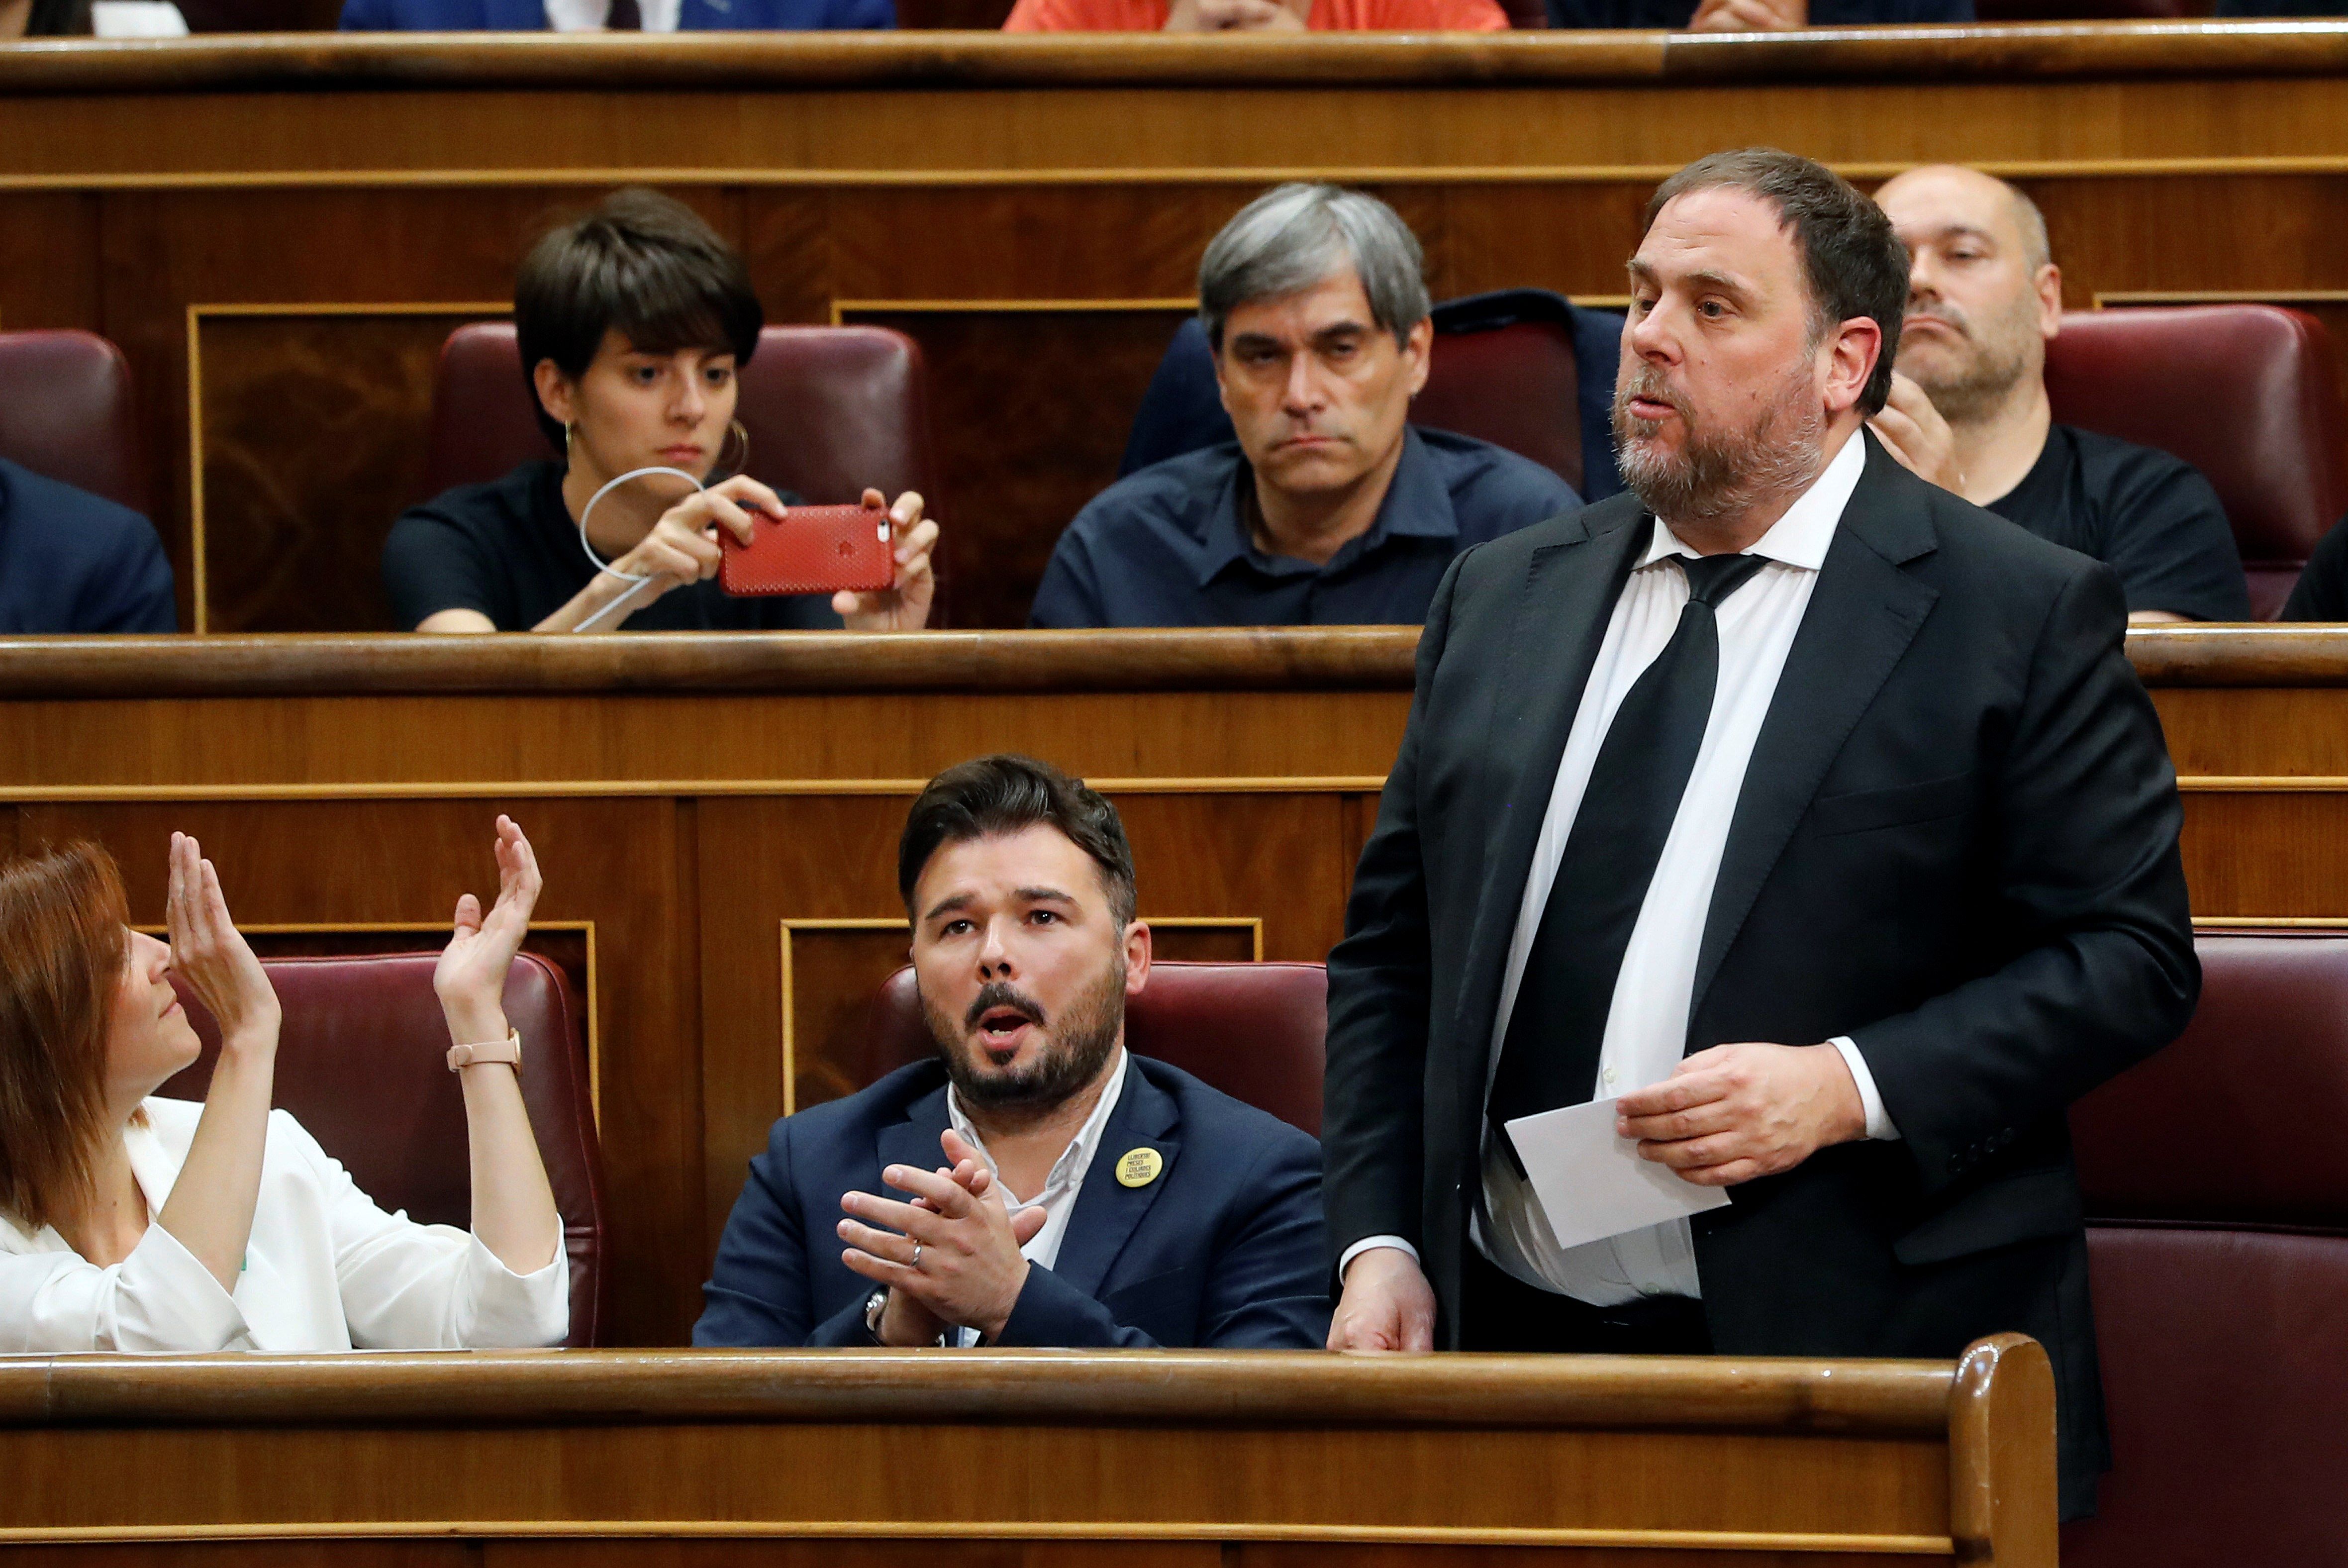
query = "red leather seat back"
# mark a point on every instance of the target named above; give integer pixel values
(830, 410)
(2216, 1178)
(65, 414)
(1506, 385)
(2249, 393)
(364, 1066)
(1252, 1030)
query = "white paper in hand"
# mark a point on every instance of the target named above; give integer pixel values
(1593, 1184)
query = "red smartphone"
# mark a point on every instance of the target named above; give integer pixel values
(810, 550)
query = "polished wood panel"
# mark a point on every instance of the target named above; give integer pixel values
(689, 795)
(137, 181)
(1046, 1452)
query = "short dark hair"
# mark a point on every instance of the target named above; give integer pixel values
(1005, 794)
(643, 265)
(1854, 263)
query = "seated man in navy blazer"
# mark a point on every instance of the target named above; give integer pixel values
(1085, 1196)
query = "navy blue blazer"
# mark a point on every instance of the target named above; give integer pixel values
(1225, 1249)
(695, 15)
(74, 562)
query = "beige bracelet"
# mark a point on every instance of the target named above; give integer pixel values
(507, 1050)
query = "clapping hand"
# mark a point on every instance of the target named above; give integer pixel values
(968, 1270)
(470, 978)
(212, 957)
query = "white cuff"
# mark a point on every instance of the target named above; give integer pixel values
(1364, 1244)
(167, 1301)
(1878, 1120)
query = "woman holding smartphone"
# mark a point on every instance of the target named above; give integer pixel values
(634, 324)
(129, 1222)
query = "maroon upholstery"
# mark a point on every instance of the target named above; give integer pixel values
(65, 413)
(1504, 385)
(1526, 13)
(2216, 1178)
(2249, 393)
(830, 410)
(1252, 1030)
(363, 1064)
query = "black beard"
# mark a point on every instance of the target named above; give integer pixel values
(1075, 1050)
(1717, 474)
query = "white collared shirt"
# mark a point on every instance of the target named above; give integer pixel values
(590, 15)
(324, 1269)
(1647, 1021)
(1059, 1198)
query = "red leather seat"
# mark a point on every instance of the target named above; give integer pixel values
(363, 1065)
(65, 413)
(1507, 384)
(2216, 1177)
(830, 410)
(2249, 393)
(1252, 1030)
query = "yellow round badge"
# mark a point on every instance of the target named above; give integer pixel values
(1139, 1168)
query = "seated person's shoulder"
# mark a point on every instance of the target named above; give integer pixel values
(71, 561)
(1177, 493)
(857, 1117)
(459, 550)
(1493, 490)
(1227, 1122)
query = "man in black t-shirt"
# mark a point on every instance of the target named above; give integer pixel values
(2322, 591)
(1969, 409)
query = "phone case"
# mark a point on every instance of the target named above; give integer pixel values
(811, 549)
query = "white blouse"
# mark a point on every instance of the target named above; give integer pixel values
(326, 1270)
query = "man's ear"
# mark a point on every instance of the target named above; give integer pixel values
(1858, 344)
(2049, 286)
(1418, 355)
(555, 392)
(1137, 956)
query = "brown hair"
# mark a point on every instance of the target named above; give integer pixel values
(62, 912)
(1006, 794)
(1853, 262)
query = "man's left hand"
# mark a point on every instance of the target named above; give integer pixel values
(970, 1268)
(1734, 1112)
(905, 605)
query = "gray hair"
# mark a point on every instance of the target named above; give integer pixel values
(1290, 239)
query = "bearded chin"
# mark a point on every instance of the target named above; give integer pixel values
(1716, 475)
(1080, 1043)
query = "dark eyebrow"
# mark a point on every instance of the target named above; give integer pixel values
(1046, 896)
(947, 905)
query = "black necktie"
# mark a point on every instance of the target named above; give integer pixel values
(1550, 1056)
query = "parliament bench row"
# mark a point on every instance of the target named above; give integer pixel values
(2219, 1248)
(2247, 394)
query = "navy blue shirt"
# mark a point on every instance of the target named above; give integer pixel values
(1170, 546)
(1822, 12)
(74, 562)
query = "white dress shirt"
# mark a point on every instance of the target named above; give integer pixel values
(590, 15)
(325, 1270)
(1647, 1020)
(1059, 1198)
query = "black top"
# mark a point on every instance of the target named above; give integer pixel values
(74, 562)
(510, 550)
(2322, 593)
(1169, 546)
(2151, 518)
(1822, 12)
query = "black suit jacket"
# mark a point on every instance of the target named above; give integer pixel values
(1957, 843)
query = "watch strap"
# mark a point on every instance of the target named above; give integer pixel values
(507, 1050)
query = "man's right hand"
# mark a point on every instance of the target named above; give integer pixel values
(1387, 1304)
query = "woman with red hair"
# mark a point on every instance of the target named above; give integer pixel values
(129, 1222)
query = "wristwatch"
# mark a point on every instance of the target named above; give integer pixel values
(507, 1050)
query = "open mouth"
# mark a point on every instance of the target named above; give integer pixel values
(1003, 1030)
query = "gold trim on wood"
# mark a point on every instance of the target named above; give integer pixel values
(910, 1530)
(650, 789)
(1252, 924)
(843, 307)
(1381, 174)
(196, 314)
(2271, 923)
(2261, 783)
(368, 927)
(2220, 296)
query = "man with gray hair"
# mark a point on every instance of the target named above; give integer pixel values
(1330, 508)
(1969, 409)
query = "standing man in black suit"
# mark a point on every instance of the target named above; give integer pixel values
(1809, 809)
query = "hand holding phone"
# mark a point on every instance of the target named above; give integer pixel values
(810, 550)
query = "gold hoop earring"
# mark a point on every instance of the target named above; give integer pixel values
(566, 443)
(741, 438)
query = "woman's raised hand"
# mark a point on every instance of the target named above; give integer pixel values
(212, 957)
(470, 979)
